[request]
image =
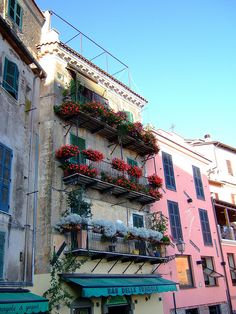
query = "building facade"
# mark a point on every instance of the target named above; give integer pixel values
(94, 196)
(221, 176)
(20, 77)
(187, 203)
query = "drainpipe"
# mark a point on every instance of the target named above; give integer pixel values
(223, 263)
(34, 192)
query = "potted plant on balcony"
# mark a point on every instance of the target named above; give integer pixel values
(67, 151)
(119, 164)
(67, 109)
(134, 171)
(155, 181)
(93, 155)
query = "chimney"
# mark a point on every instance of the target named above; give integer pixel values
(207, 138)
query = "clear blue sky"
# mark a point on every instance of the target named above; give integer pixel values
(181, 54)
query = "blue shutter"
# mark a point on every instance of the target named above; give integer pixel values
(206, 232)
(174, 218)
(5, 177)
(198, 183)
(2, 250)
(168, 171)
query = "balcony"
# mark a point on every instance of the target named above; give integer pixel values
(110, 125)
(227, 233)
(94, 245)
(106, 181)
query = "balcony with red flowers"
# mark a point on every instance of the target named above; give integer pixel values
(116, 178)
(114, 126)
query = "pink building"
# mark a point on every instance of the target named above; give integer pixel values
(187, 203)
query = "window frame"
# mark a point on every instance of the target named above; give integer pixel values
(16, 15)
(232, 272)
(211, 267)
(175, 217)
(191, 285)
(198, 183)
(168, 169)
(205, 224)
(134, 215)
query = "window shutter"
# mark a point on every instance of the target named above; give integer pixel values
(198, 183)
(18, 17)
(175, 223)
(132, 162)
(229, 166)
(11, 9)
(206, 232)
(11, 78)
(5, 177)
(2, 250)
(80, 142)
(138, 221)
(168, 171)
(130, 116)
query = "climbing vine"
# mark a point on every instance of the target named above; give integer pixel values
(57, 293)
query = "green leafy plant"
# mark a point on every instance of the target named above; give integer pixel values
(57, 293)
(78, 205)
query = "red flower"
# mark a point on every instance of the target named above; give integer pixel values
(93, 155)
(83, 169)
(134, 171)
(155, 193)
(68, 109)
(155, 181)
(67, 151)
(119, 164)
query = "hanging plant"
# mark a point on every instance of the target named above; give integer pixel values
(155, 181)
(83, 169)
(134, 171)
(155, 193)
(93, 155)
(67, 151)
(119, 164)
(67, 109)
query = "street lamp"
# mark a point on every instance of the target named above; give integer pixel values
(180, 246)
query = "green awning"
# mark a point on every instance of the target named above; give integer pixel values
(22, 303)
(105, 285)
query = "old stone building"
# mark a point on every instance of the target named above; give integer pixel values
(93, 144)
(20, 76)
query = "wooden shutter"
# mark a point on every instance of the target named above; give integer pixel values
(11, 9)
(11, 78)
(80, 142)
(229, 166)
(206, 232)
(198, 183)
(2, 250)
(168, 171)
(18, 15)
(5, 177)
(174, 219)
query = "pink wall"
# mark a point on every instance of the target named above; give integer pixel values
(191, 228)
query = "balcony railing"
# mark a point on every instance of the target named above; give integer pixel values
(87, 242)
(227, 233)
(101, 182)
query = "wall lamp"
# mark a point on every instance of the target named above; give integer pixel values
(180, 246)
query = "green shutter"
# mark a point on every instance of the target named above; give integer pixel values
(15, 12)
(132, 162)
(11, 78)
(80, 142)
(2, 249)
(130, 116)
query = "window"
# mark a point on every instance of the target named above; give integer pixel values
(229, 167)
(11, 78)
(2, 250)
(5, 177)
(80, 142)
(214, 309)
(184, 272)
(198, 183)
(206, 232)
(130, 116)
(132, 162)
(15, 12)
(86, 95)
(168, 171)
(232, 268)
(192, 311)
(174, 219)
(138, 221)
(210, 275)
